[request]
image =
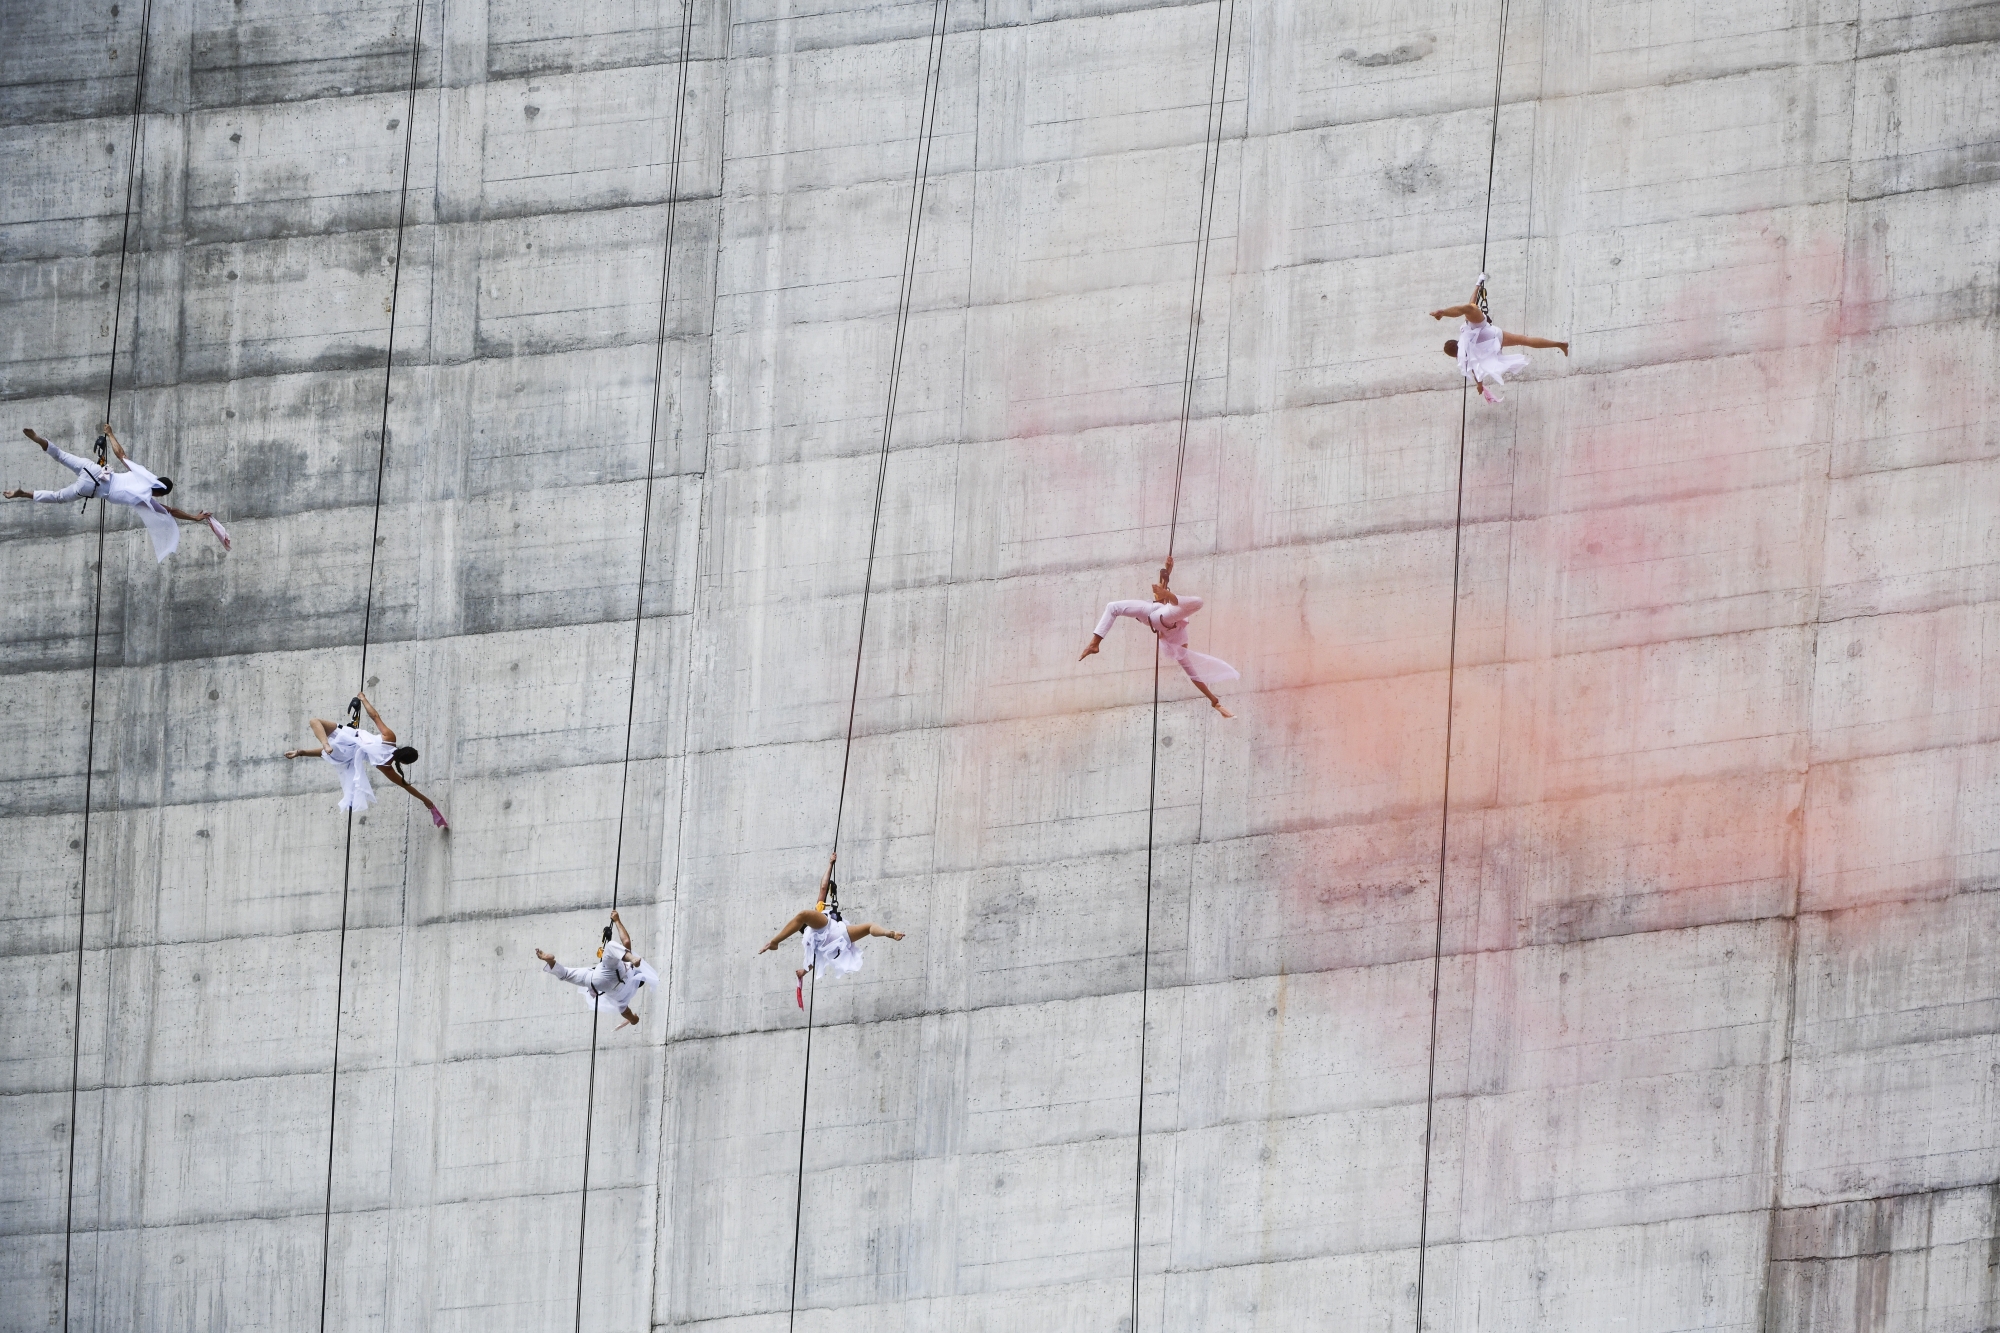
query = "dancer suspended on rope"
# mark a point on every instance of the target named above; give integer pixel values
(617, 977)
(830, 942)
(353, 751)
(135, 487)
(1167, 616)
(1480, 343)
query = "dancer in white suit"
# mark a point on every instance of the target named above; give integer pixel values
(617, 977)
(830, 942)
(1167, 616)
(354, 751)
(1480, 345)
(135, 487)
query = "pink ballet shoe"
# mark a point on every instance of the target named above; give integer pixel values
(221, 533)
(1488, 394)
(437, 817)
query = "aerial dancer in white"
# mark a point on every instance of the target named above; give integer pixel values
(830, 942)
(353, 751)
(1480, 343)
(617, 977)
(134, 487)
(1167, 616)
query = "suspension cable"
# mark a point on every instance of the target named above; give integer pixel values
(1450, 703)
(639, 606)
(367, 625)
(1211, 168)
(919, 186)
(96, 641)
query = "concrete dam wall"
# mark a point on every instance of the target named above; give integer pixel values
(1585, 923)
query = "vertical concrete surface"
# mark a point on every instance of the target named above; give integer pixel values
(1584, 923)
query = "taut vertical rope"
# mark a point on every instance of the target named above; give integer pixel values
(1211, 166)
(96, 642)
(367, 624)
(913, 228)
(639, 605)
(1450, 701)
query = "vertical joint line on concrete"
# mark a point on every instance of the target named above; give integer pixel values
(1450, 704)
(96, 642)
(920, 175)
(639, 604)
(367, 625)
(1211, 169)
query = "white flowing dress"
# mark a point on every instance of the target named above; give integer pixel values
(828, 946)
(1481, 357)
(354, 753)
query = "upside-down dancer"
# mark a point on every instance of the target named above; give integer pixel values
(830, 942)
(134, 487)
(1167, 616)
(353, 751)
(1480, 343)
(618, 975)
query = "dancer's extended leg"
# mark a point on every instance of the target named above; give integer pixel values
(1524, 340)
(794, 926)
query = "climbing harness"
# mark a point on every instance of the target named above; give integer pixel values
(96, 479)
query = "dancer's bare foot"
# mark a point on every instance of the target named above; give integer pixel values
(545, 957)
(1565, 347)
(1096, 642)
(895, 934)
(20, 495)
(767, 948)
(631, 1020)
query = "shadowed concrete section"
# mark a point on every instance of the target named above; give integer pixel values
(1719, 1017)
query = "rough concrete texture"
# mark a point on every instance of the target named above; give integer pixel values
(1718, 1039)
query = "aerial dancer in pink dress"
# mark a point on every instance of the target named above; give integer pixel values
(1480, 343)
(830, 942)
(135, 488)
(1167, 616)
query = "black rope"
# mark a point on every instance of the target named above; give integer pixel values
(367, 624)
(920, 175)
(639, 607)
(1450, 702)
(96, 641)
(1211, 168)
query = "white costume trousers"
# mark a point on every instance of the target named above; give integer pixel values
(611, 983)
(1169, 622)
